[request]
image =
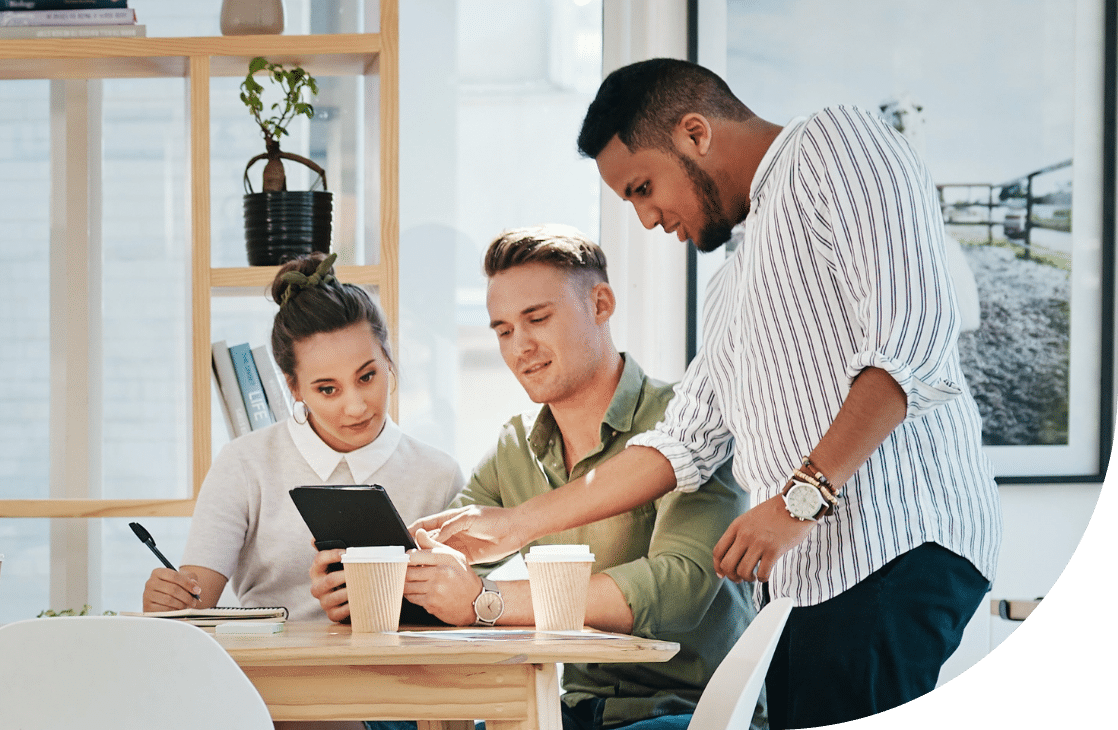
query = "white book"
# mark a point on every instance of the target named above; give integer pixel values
(73, 31)
(224, 408)
(230, 389)
(81, 16)
(273, 387)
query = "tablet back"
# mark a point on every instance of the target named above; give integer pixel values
(351, 516)
(357, 516)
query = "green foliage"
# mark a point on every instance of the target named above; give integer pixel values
(293, 82)
(70, 612)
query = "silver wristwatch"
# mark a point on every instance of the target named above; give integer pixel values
(489, 605)
(804, 501)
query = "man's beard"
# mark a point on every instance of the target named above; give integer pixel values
(716, 231)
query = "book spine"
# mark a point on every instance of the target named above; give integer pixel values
(252, 392)
(273, 389)
(73, 31)
(230, 390)
(96, 16)
(25, 5)
(223, 408)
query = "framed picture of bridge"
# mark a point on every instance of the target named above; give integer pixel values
(1012, 105)
(1038, 244)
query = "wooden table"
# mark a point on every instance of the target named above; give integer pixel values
(321, 671)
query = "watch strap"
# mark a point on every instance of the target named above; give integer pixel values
(487, 586)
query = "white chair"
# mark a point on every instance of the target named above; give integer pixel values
(121, 673)
(731, 694)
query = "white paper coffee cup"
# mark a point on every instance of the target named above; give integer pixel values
(558, 578)
(374, 579)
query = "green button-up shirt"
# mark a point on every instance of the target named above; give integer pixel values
(659, 554)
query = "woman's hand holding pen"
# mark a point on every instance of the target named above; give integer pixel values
(170, 590)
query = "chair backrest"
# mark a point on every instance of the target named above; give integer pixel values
(121, 673)
(731, 694)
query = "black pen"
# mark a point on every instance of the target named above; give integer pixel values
(147, 539)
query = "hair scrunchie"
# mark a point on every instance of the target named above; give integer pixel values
(298, 281)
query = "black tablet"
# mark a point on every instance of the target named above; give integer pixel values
(357, 516)
(351, 516)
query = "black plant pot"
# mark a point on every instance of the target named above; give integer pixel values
(282, 225)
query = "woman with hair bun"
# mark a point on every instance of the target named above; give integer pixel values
(331, 343)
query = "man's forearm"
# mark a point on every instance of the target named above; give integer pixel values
(637, 475)
(606, 607)
(874, 407)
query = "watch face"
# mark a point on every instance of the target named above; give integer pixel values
(803, 500)
(489, 606)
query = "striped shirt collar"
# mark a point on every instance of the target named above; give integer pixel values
(768, 160)
(362, 462)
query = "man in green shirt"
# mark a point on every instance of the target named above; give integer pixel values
(550, 302)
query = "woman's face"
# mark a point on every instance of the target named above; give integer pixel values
(342, 376)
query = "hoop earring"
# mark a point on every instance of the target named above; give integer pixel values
(295, 409)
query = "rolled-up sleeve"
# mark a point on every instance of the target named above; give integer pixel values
(693, 436)
(888, 252)
(670, 590)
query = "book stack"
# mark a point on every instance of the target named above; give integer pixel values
(68, 19)
(249, 387)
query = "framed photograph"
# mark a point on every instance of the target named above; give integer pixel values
(1012, 105)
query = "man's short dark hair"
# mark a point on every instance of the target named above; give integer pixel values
(641, 103)
(563, 247)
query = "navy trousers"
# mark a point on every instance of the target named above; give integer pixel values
(875, 646)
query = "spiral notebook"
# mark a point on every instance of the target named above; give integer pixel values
(220, 614)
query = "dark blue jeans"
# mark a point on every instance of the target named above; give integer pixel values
(587, 715)
(876, 645)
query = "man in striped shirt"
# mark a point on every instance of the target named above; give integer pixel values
(829, 370)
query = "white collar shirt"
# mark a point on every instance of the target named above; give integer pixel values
(362, 462)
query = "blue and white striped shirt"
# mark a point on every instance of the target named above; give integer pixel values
(840, 266)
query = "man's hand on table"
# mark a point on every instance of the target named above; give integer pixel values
(756, 539)
(440, 580)
(329, 588)
(481, 534)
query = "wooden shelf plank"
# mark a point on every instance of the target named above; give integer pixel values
(341, 54)
(256, 277)
(96, 507)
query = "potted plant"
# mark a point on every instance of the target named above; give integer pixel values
(280, 223)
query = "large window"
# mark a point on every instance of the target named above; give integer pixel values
(492, 94)
(486, 90)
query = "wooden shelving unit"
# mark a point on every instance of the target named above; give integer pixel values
(373, 56)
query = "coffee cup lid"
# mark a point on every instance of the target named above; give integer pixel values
(560, 553)
(375, 554)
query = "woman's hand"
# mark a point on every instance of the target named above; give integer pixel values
(329, 588)
(171, 590)
(756, 539)
(440, 580)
